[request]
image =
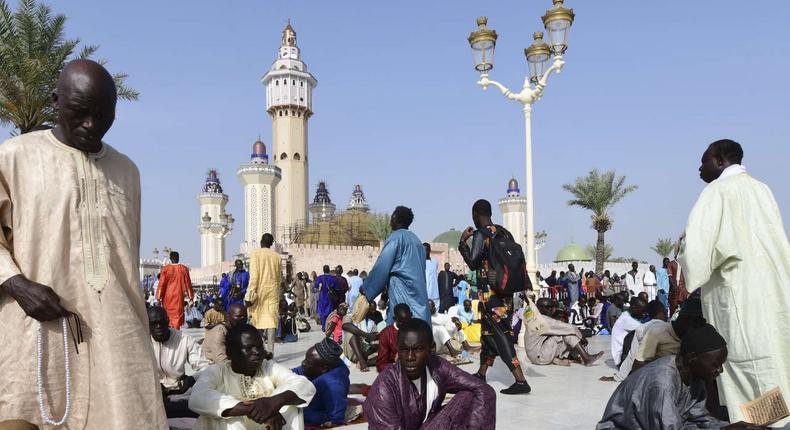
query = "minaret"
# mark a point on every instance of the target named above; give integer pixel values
(259, 179)
(289, 101)
(322, 209)
(514, 214)
(358, 201)
(215, 223)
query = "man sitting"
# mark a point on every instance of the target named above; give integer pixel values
(409, 394)
(215, 315)
(388, 338)
(446, 331)
(214, 343)
(359, 338)
(669, 393)
(334, 323)
(555, 344)
(330, 376)
(471, 326)
(172, 351)
(627, 322)
(249, 389)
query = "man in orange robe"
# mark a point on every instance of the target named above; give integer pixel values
(174, 282)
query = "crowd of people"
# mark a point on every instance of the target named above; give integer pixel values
(682, 360)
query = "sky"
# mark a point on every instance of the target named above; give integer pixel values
(645, 88)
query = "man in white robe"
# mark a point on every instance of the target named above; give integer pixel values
(69, 243)
(248, 392)
(736, 252)
(173, 350)
(627, 322)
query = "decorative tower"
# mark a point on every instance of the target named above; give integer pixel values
(358, 201)
(289, 101)
(215, 223)
(322, 209)
(514, 214)
(259, 179)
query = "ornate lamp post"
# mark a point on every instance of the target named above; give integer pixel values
(557, 21)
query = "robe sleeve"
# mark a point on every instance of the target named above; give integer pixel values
(387, 350)
(251, 295)
(196, 358)
(378, 278)
(333, 399)
(188, 284)
(285, 380)
(163, 281)
(708, 243)
(8, 267)
(483, 406)
(473, 257)
(207, 397)
(381, 406)
(224, 288)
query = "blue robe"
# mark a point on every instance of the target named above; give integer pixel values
(234, 278)
(401, 269)
(331, 396)
(662, 286)
(432, 280)
(325, 305)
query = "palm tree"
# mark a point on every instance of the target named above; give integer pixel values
(663, 247)
(598, 193)
(33, 51)
(608, 251)
(379, 225)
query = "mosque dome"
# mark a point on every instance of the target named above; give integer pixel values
(212, 184)
(512, 186)
(322, 194)
(572, 252)
(450, 237)
(358, 200)
(259, 151)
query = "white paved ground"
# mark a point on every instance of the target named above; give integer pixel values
(561, 398)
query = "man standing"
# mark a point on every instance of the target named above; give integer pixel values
(354, 284)
(263, 294)
(233, 287)
(173, 285)
(736, 252)
(431, 274)
(572, 280)
(649, 282)
(677, 283)
(400, 269)
(497, 330)
(633, 282)
(342, 284)
(326, 287)
(447, 279)
(68, 186)
(662, 283)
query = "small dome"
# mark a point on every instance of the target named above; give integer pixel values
(258, 148)
(512, 186)
(450, 237)
(572, 252)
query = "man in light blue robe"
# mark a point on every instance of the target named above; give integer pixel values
(662, 283)
(400, 269)
(431, 274)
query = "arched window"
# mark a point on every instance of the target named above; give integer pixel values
(280, 112)
(301, 83)
(297, 157)
(294, 81)
(283, 156)
(277, 83)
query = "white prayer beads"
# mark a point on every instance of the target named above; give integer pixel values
(40, 375)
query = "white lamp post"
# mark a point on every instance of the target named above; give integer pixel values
(557, 21)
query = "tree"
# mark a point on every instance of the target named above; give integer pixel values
(663, 247)
(598, 192)
(607, 252)
(33, 51)
(379, 225)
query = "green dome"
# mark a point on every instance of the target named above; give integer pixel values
(450, 237)
(572, 252)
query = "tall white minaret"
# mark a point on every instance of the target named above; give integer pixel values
(259, 179)
(514, 214)
(289, 101)
(215, 224)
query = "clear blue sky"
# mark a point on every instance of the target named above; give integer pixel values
(646, 87)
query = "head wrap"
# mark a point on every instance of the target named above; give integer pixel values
(702, 339)
(329, 351)
(691, 307)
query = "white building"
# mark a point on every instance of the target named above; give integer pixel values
(514, 214)
(215, 224)
(289, 92)
(259, 179)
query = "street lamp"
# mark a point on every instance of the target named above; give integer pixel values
(557, 21)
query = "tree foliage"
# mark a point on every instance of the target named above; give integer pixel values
(608, 251)
(33, 51)
(379, 224)
(663, 247)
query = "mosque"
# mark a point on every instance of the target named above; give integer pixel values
(308, 234)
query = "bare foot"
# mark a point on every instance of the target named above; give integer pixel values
(606, 379)
(593, 359)
(561, 362)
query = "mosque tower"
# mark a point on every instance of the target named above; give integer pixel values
(514, 214)
(289, 101)
(322, 209)
(215, 223)
(358, 201)
(259, 179)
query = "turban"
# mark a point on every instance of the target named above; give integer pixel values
(329, 351)
(702, 339)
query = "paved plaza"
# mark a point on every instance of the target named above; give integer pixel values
(561, 398)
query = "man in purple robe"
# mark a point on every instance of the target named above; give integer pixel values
(409, 394)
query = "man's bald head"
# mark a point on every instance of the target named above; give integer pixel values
(237, 314)
(85, 99)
